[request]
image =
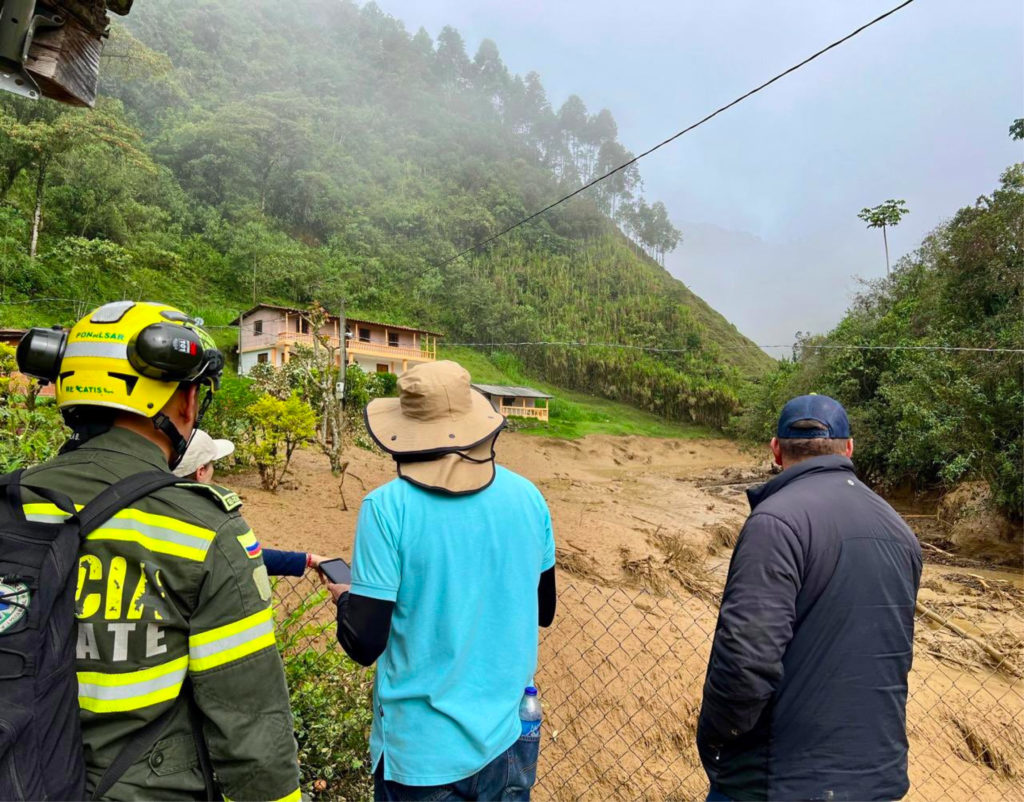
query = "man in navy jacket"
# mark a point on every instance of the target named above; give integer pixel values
(806, 689)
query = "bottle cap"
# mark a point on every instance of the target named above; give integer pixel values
(531, 691)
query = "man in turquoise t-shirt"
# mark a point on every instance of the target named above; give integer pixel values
(453, 571)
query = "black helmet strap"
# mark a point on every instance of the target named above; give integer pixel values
(179, 445)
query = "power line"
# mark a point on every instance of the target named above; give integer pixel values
(738, 346)
(675, 136)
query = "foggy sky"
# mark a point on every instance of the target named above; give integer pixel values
(766, 195)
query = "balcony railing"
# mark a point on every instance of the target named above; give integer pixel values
(354, 346)
(295, 338)
(390, 351)
(538, 413)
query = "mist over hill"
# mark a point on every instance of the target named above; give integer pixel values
(318, 150)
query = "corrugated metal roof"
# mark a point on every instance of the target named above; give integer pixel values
(512, 392)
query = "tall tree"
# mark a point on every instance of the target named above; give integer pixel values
(451, 61)
(882, 216)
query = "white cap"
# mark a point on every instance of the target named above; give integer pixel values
(201, 450)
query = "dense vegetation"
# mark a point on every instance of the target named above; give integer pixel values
(316, 150)
(924, 418)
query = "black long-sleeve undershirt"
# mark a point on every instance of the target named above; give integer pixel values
(364, 624)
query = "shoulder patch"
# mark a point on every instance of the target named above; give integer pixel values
(228, 499)
(252, 546)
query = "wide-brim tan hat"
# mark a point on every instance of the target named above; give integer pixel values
(436, 412)
(440, 430)
(458, 473)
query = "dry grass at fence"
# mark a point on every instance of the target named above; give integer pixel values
(578, 563)
(721, 537)
(683, 566)
(994, 740)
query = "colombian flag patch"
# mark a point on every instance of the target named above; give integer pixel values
(252, 546)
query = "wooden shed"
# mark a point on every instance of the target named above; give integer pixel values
(521, 402)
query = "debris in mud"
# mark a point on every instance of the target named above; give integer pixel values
(721, 537)
(577, 563)
(994, 739)
(683, 564)
(946, 638)
(998, 589)
(736, 477)
(644, 571)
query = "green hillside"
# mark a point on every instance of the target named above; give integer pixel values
(317, 150)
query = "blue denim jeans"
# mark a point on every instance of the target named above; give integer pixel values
(507, 778)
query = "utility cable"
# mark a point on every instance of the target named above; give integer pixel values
(657, 350)
(674, 137)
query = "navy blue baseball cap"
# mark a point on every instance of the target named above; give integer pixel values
(818, 408)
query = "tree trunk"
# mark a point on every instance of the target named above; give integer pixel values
(885, 239)
(37, 217)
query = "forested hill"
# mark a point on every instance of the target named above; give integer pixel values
(316, 149)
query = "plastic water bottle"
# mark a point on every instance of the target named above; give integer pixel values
(529, 713)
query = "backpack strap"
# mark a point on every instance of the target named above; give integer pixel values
(119, 495)
(12, 485)
(145, 739)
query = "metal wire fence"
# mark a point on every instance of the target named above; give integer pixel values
(622, 668)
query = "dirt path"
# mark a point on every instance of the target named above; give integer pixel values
(644, 529)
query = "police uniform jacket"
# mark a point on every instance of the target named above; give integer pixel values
(173, 589)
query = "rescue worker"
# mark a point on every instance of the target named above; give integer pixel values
(175, 631)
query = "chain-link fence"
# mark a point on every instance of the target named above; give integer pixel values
(622, 668)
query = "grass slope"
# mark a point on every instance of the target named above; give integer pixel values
(573, 414)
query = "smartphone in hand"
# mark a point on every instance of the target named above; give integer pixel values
(337, 571)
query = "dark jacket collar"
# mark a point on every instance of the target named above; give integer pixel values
(124, 441)
(826, 464)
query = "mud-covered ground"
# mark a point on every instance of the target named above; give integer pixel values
(645, 529)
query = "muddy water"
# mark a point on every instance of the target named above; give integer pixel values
(1015, 578)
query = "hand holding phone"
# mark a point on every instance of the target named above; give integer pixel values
(336, 571)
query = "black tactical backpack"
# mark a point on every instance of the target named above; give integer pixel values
(40, 737)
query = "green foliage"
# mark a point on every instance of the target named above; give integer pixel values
(28, 437)
(925, 418)
(331, 703)
(331, 706)
(382, 385)
(228, 416)
(276, 429)
(884, 214)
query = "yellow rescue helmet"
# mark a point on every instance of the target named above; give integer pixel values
(127, 355)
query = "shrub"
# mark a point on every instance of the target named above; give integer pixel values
(332, 707)
(228, 415)
(28, 437)
(382, 385)
(331, 702)
(276, 429)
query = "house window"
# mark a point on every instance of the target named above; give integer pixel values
(301, 326)
(257, 327)
(393, 339)
(263, 357)
(364, 335)
(382, 368)
(508, 402)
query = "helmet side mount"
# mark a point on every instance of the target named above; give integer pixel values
(40, 353)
